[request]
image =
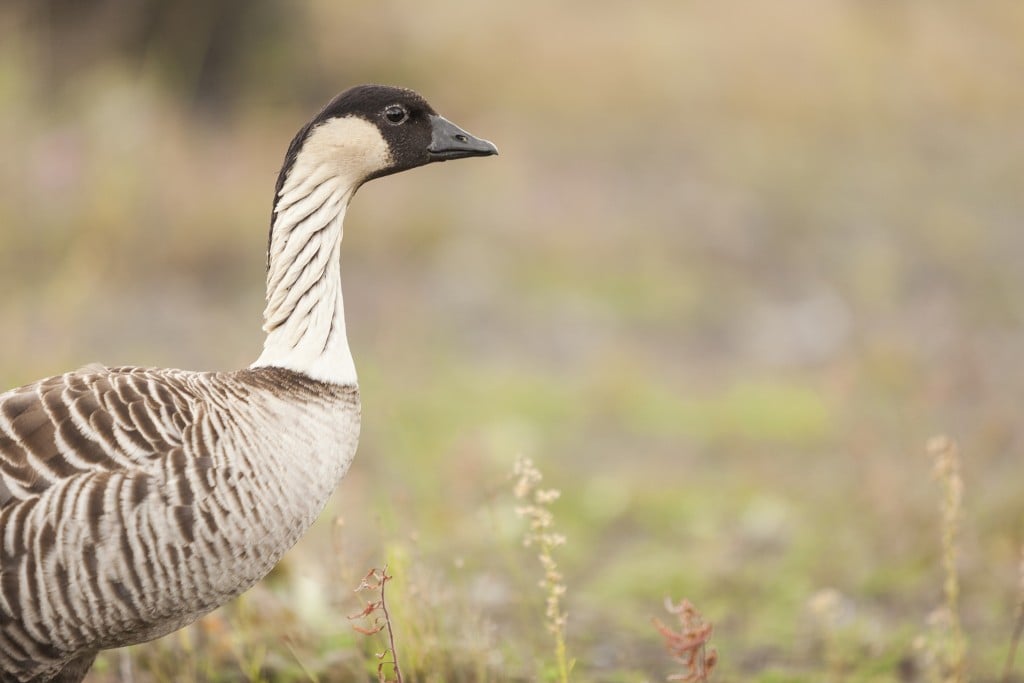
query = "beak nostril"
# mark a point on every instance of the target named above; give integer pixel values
(461, 138)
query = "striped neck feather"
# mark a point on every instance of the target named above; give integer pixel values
(305, 314)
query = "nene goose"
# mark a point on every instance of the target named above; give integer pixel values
(135, 500)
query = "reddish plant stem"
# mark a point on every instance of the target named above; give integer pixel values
(387, 620)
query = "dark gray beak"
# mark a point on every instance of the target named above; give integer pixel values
(448, 141)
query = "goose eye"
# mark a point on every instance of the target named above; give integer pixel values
(396, 114)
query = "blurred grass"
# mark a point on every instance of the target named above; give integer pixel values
(736, 262)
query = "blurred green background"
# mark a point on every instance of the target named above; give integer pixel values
(737, 261)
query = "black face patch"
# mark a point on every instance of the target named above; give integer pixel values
(408, 135)
(408, 139)
(412, 129)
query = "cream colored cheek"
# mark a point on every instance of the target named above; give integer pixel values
(353, 146)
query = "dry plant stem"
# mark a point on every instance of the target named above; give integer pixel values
(1014, 641)
(387, 620)
(1018, 628)
(946, 457)
(689, 645)
(561, 658)
(377, 579)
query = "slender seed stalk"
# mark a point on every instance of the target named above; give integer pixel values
(540, 534)
(946, 468)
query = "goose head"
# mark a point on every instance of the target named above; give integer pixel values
(371, 131)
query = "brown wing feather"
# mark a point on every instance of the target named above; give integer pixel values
(104, 420)
(78, 453)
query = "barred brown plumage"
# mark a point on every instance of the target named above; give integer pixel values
(135, 500)
(148, 481)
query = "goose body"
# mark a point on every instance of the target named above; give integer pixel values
(135, 500)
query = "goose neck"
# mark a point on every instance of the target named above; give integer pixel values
(305, 315)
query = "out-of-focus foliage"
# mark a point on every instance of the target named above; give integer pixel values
(737, 261)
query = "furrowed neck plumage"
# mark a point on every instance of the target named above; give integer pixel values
(305, 314)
